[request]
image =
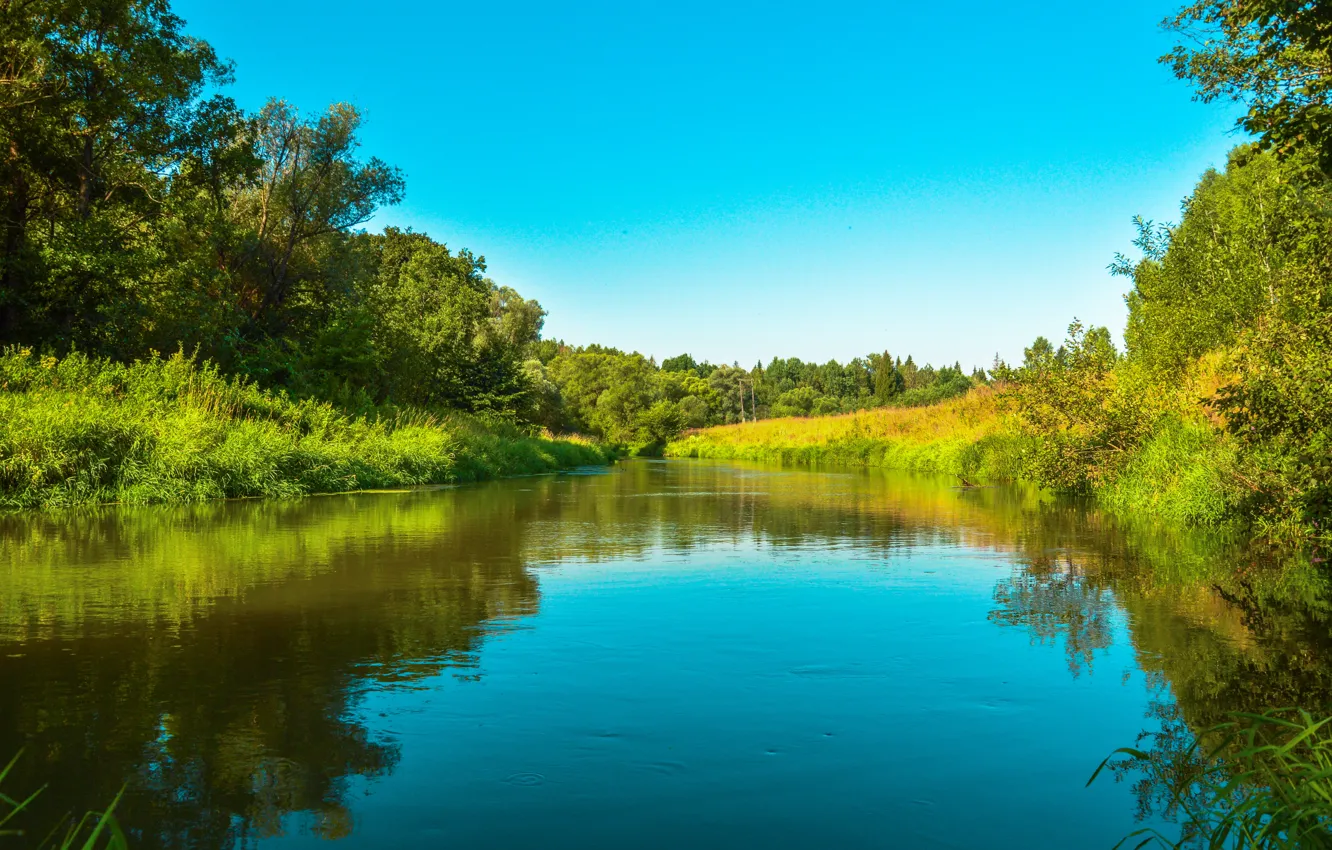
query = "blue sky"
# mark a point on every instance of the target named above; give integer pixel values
(741, 179)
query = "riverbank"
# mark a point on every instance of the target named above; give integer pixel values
(964, 437)
(82, 431)
(1182, 473)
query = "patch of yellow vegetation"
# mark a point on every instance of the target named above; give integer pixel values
(970, 417)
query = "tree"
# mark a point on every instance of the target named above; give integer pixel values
(1200, 284)
(797, 402)
(310, 186)
(450, 337)
(680, 363)
(1275, 56)
(888, 382)
(731, 384)
(1087, 416)
(661, 423)
(91, 130)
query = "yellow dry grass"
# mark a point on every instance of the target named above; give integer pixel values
(970, 417)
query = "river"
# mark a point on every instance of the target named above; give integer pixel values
(659, 654)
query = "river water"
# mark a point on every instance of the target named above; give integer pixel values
(660, 654)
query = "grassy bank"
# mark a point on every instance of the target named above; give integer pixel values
(78, 431)
(1183, 472)
(964, 436)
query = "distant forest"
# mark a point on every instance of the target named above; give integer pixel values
(630, 398)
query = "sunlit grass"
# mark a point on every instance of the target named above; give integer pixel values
(969, 437)
(971, 416)
(78, 430)
(1184, 473)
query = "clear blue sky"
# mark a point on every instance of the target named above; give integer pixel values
(746, 179)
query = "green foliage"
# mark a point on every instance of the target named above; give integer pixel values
(1271, 55)
(1246, 273)
(1255, 782)
(1184, 472)
(888, 380)
(948, 382)
(796, 402)
(605, 391)
(686, 363)
(1244, 278)
(78, 430)
(136, 215)
(1086, 416)
(1280, 408)
(1199, 285)
(448, 336)
(92, 831)
(661, 422)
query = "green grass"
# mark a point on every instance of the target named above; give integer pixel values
(78, 430)
(1256, 782)
(1185, 473)
(92, 831)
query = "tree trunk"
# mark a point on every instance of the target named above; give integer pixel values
(86, 178)
(15, 216)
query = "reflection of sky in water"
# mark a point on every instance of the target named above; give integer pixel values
(820, 704)
(666, 654)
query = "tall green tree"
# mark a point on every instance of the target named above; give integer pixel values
(95, 118)
(311, 187)
(448, 335)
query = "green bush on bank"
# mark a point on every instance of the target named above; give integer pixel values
(78, 430)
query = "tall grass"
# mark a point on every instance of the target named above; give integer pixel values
(92, 831)
(1256, 782)
(964, 436)
(79, 430)
(1185, 473)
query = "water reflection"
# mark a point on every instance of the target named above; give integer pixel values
(218, 657)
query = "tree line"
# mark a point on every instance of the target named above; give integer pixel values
(629, 398)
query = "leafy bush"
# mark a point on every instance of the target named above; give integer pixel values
(1280, 408)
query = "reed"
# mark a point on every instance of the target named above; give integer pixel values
(93, 831)
(1256, 782)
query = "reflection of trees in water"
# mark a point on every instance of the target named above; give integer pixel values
(232, 706)
(1217, 628)
(1054, 603)
(215, 653)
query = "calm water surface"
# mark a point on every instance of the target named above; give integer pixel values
(663, 654)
